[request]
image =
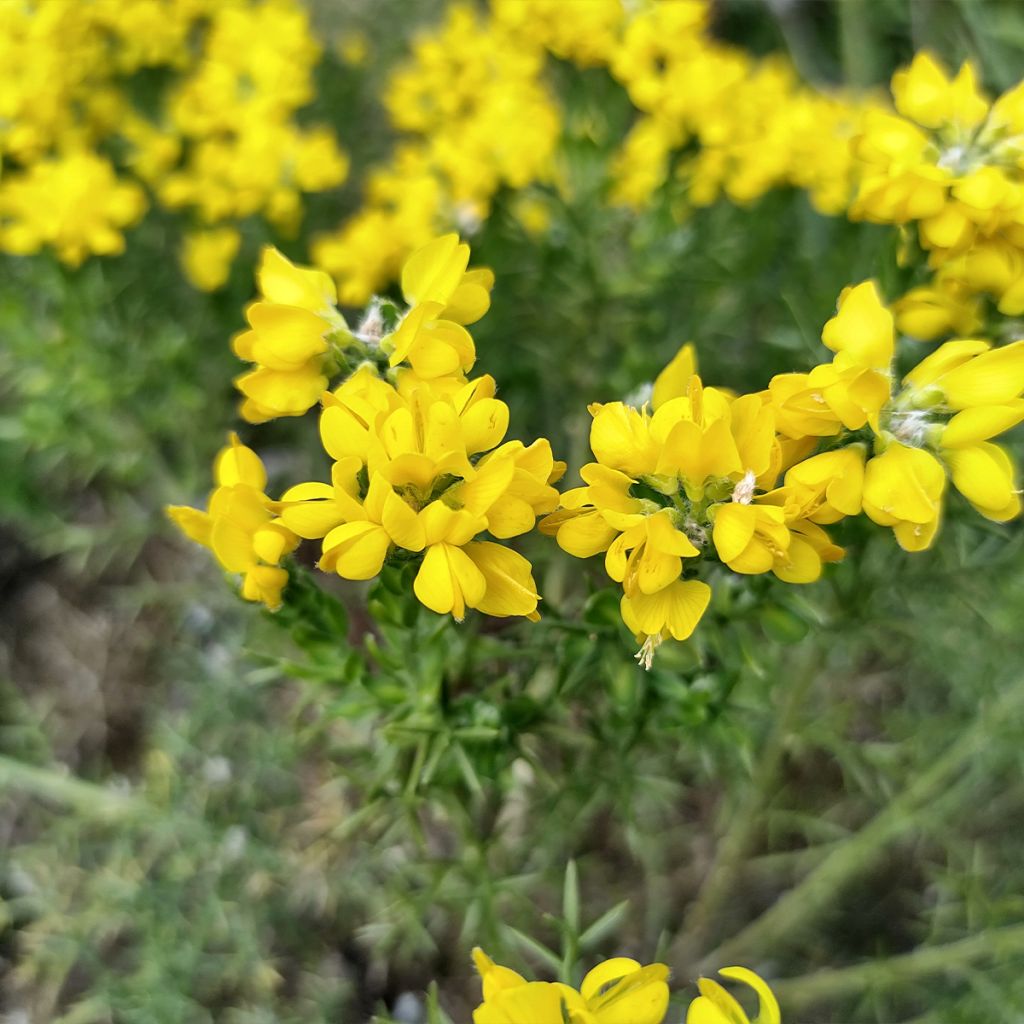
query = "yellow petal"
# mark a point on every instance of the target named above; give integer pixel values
(432, 273)
(509, 580)
(768, 1013)
(676, 609)
(620, 438)
(272, 542)
(311, 519)
(536, 1002)
(862, 328)
(448, 581)
(733, 529)
(485, 486)
(472, 298)
(265, 583)
(402, 524)
(904, 484)
(991, 378)
(355, 551)
(441, 348)
(981, 422)
(281, 281)
(723, 1001)
(194, 524)
(283, 393)
(984, 474)
(232, 545)
(799, 564)
(945, 358)
(703, 1011)
(484, 425)
(494, 977)
(640, 996)
(237, 464)
(584, 534)
(673, 381)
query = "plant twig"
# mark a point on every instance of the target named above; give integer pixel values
(743, 825)
(797, 993)
(87, 798)
(797, 908)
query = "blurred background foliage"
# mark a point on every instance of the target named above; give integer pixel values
(206, 819)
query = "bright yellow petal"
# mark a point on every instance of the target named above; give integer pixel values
(448, 581)
(703, 1011)
(237, 464)
(769, 1009)
(862, 328)
(584, 534)
(509, 579)
(992, 378)
(494, 978)
(945, 358)
(674, 380)
(402, 523)
(984, 474)
(281, 281)
(232, 545)
(355, 551)
(432, 273)
(981, 422)
(639, 996)
(733, 529)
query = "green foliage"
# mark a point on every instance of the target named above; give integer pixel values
(317, 811)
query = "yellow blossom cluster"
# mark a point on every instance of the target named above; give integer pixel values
(736, 126)
(617, 991)
(475, 115)
(220, 142)
(749, 124)
(703, 476)
(239, 525)
(421, 471)
(952, 162)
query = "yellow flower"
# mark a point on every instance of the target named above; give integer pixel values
(943, 307)
(74, 203)
(674, 611)
(903, 488)
(618, 991)
(924, 93)
(750, 538)
(443, 296)
(715, 1005)
(665, 484)
(207, 256)
(420, 470)
(826, 487)
(952, 162)
(239, 525)
(292, 331)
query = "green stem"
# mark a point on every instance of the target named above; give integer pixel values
(798, 908)
(743, 826)
(85, 797)
(798, 993)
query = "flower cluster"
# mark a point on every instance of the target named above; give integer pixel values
(952, 162)
(722, 122)
(420, 468)
(240, 526)
(749, 482)
(615, 992)
(461, 81)
(755, 126)
(219, 142)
